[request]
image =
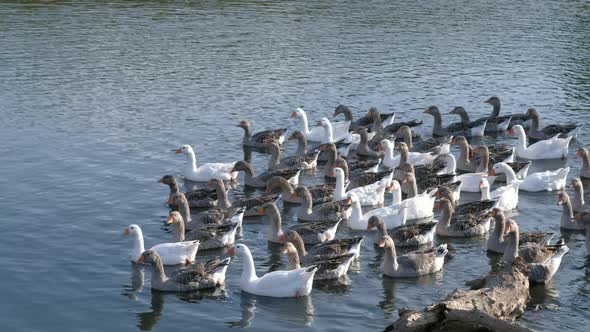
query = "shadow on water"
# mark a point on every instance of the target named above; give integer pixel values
(300, 310)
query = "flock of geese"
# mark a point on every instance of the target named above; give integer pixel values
(361, 160)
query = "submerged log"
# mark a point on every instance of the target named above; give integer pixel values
(492, 304)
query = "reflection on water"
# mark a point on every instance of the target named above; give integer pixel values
(300, 310)
(147, 320)
(137, 281)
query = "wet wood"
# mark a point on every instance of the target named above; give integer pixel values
(492, 304)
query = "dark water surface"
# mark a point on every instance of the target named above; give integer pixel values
(93, 96)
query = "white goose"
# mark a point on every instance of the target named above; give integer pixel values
(329, 136)
(541, 181)
(552, 148)
(415, 158)
(317, 133)
(469, 181)
(221, 171)
(507, 196)
(370, 195)
(170, 253)
(391, 218)
(419, 207)
(294, 283)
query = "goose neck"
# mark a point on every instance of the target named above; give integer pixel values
(158, 274)
(390, 259)
(178, 231)
(293, 261)
(138, 245)
(249, 272)
(339, 189)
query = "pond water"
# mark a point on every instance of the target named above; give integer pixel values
(94, 95)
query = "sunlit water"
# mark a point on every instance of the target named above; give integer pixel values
(93, 96)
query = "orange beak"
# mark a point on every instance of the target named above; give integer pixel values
(511, 131)
(260, 212)
(169, 220)
(268, 191)
(178, 151)
(283, 239)
(578, 154)
(161, 180)
(492, 172)
(349, 200)
(140, 260)
(231, 251)
(294, 195)
(319, 123)
(379, 147)
(334, 115)
(126, 231)
(437, 205)
(323, 148)
(453, 141)
(170, 201)
(381, 243)
(369, 227)
(507, 229)
(331, 173)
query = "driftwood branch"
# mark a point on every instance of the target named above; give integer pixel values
(493, 303)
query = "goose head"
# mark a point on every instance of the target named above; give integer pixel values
(296, 135)
(149, 257)
(338, 173)
(403, 131)
(185, 149)
(459, 140)
(511, 227)
(132, 229)
(244, 124)
(582, 152)
(517, 130)
(289, 248)
(532, 113)
(498, 168)
(494, 101)
(242, 166)
(385, 144)
(444, 205)
(373, 113)
(443, 192)
(239, 249)
(300, 192)
(496, 213)
(432, 110)
(342, 109)
(168, 180)
(401, 147)
(174, 217)
(386, 242)
(394, 185)
(458, 111)
(298, 113)
(409, 178)
(328, 147)
(374, 221)
(324, 122)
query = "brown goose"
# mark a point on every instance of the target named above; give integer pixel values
(567, 215)
(276, 162)
(434, 145)
(329, 211)
(439, 131)
(250, 203)
(531, 252)
(275, 232)
(363, 150)
(320, 193)
(536, 134)
(404, 235)
(301, 142)
(258, 140)
(496, 242)
(501, 123)
(332, 248)
(259, 181)
(453, 224)
(201, 276)
(200, 198)
(209, 235)
(328, 267)
(412, 186)
(365, 121)
(212, 216)
(475, 207)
